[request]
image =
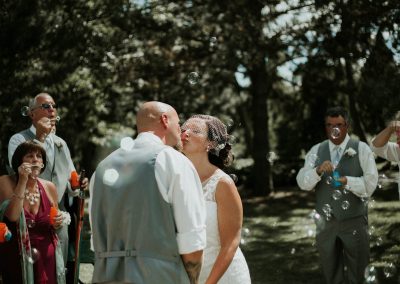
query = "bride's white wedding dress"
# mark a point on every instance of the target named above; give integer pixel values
(238, 271)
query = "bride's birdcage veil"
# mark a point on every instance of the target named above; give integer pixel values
(217, 133)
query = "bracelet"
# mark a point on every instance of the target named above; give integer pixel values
(18, 196)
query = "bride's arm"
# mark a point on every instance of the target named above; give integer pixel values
(230, 218)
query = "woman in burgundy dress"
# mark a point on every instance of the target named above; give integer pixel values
(25, 201)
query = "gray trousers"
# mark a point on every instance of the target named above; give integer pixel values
(343, 243)
(62, 233)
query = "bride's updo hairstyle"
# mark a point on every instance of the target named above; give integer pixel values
(219, 152)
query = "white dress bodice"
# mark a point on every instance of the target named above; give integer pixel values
(238, 271)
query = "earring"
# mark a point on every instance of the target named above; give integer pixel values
(208, 148)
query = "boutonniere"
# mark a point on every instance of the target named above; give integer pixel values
(350, 152)
(58, 144)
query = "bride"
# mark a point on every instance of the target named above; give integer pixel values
(205, 143)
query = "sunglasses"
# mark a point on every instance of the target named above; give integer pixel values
(46, 106)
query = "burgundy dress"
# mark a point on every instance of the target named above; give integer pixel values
(43, 241)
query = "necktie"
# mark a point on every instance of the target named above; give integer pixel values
(336, 155)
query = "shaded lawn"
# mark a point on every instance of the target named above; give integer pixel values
(280, 248)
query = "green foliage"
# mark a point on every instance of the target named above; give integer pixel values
(101, 59)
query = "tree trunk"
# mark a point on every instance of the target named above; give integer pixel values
(352, 92)
(259, 89)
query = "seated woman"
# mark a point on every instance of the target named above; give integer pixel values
(386, 149)
(205, 143)
(25, 202)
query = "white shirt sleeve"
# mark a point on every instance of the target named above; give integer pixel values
(366, 184)
(390, 151)
(180, 186)
(307, 177)
(15, 140)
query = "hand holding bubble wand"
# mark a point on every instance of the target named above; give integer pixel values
(5, 234)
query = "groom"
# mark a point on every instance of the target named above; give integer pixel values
(342, 238)
(147, 210)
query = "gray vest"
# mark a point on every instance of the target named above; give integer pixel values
(134, 235)
(57, 170)
(348, 166)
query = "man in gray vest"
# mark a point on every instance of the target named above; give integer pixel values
(343, 173)
(147, 208)
(43, 113)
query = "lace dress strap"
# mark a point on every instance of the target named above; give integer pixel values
(210, 185)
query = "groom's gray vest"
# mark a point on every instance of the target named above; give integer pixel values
(348, 166)
(57, 170)
(134, 235)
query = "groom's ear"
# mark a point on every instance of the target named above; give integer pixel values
(164, 120)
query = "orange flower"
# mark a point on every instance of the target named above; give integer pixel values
(5, 234)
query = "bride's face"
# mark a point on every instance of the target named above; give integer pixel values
(194, 136)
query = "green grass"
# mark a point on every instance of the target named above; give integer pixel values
(279, 248)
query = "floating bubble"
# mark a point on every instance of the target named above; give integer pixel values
(371, 203)
(293, 251)
(81, 194)
(337, 194)
(335, 132)
(327, 209)
(234, 178)
(364, 198)
(274, 224)
(245, 232)
(329, 180)
(389, 270)
(310, 232)
(25, 111)
(127, 143)
(110, 177)
(35, 254)
(371, 230)
(345, 205)
(378, 241)
(272, 157)
(243, 241)
(30, 223)
(231, 140)
(311, 160)
(370, 274)
(346, 189)
(229, 123)
(355, 232)
(213, 41)
(193, 78)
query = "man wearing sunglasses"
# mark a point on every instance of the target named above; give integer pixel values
(43, 114)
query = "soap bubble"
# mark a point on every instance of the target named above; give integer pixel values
(389, 270)
(335, 132)
(337, 194)
(311, 160)
(272, 157)
(370, 274)
(35, 255)
(127, 143)
(345, 205)
(25, 111)
(110, 177)
(193, 78)
(234, 178)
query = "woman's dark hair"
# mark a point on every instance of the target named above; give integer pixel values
(23, 149)
(220, 153)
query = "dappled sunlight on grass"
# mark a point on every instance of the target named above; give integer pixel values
(280, 243)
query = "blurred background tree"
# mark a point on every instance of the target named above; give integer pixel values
(268, 69)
